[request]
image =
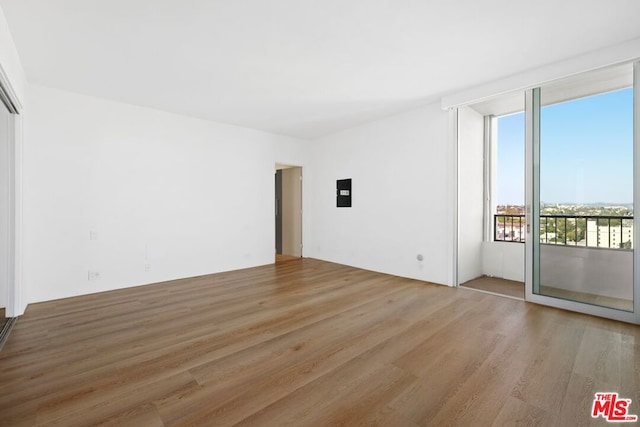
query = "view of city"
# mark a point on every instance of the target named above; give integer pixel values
(585, 156)
(589, 225)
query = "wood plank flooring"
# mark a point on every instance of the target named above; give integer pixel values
(515, 289)
(496, 285)
(284, 258)
(604, 301)
(310, 343)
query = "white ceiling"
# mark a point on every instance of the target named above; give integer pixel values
(300, 67)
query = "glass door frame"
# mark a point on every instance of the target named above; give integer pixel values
(532, 211)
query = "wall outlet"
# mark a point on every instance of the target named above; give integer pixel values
(147, 267)
(93, 235)
(94, 275)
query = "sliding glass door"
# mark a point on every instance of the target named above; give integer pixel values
(581, 166)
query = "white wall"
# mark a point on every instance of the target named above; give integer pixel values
(600, 271)
(10, 61)
(186, 196)
(402, 172)
(14, 82)
(504, 260)
(597, 271)
(470, 194)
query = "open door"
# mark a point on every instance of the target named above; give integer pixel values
(582, 168)
(288, 205)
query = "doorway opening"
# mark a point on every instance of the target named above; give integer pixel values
(575, 225)
(491, 188)
(583, 233)
(288, 213)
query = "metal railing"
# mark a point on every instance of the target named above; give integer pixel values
(607, 231)
(509, 228)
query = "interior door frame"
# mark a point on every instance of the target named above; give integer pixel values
(278, 209)
(9, 98)
(286, 165)
(532, 207)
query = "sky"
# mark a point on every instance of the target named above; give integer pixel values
(586, 152)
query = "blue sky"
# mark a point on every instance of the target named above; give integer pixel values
(586, 152)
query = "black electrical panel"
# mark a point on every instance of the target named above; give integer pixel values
(343, 189)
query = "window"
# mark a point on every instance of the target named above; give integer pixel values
(508, 208)
(586, 167)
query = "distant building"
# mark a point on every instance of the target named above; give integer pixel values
(605, 236)
(511, 232)
(614, 232)
(548, 237)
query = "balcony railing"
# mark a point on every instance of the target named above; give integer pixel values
(509, 228)
(615, 232)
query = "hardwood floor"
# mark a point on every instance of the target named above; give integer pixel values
(497, 286)
(310, 343)
(514, 289)
(284, 258)
(604, 301)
